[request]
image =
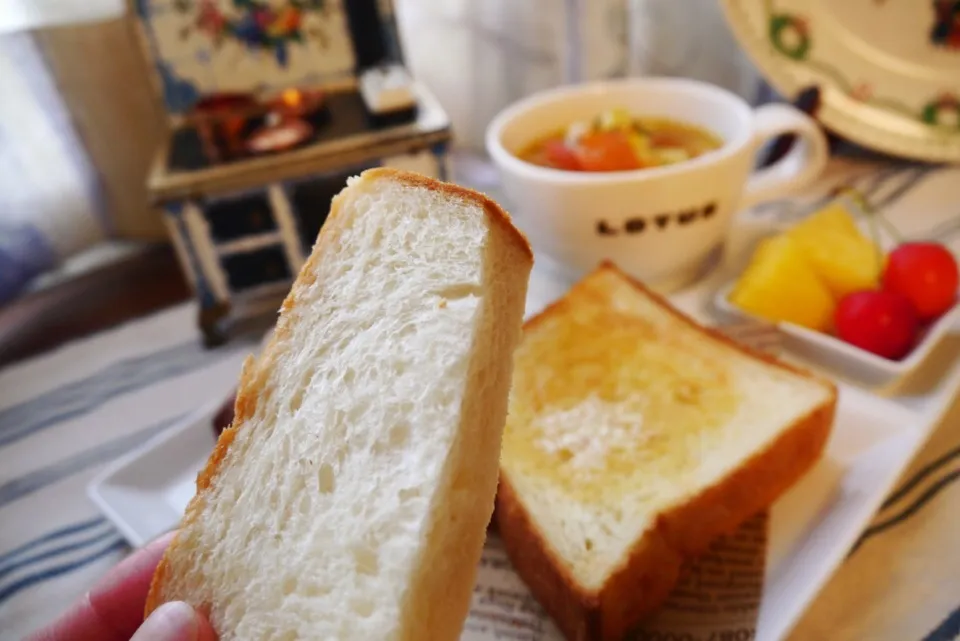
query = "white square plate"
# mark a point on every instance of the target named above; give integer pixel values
(812, 528)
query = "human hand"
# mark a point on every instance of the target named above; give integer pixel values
(113, 609)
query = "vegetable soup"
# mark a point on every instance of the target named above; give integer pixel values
(617, 141)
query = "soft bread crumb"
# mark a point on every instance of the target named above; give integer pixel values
(351, 497)
(585, 435)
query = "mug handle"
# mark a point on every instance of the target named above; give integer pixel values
(799, 167)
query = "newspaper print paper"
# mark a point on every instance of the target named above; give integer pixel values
(716, 599)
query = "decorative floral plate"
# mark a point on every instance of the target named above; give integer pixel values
(888, 70)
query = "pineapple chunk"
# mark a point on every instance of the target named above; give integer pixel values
(833, 217)
(780, 285)
(844, 259)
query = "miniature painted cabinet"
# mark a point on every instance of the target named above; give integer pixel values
(272, 104)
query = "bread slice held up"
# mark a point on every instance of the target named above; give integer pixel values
(634, 438)
(350, 497)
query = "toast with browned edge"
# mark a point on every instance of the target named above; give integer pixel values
(634, 438)
(349, 498)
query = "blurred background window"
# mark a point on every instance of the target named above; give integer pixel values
(75, 138)
(79, 124)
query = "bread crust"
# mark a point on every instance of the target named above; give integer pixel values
(651, 568)
(496, 213)
(253, 375)
(244, 407)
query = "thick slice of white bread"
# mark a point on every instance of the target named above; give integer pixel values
(350, 497)
(634, 438)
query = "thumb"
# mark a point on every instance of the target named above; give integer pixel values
(174, 621)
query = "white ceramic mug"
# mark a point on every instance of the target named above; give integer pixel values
(660, 224)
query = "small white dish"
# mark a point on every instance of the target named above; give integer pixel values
(842, 357)
(146, 492)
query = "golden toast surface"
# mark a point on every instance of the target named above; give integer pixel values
(634, 438)
(608, 393)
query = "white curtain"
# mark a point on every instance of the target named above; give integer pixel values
(690, 39)
(22, 15)
(478, 57)
(50, 206)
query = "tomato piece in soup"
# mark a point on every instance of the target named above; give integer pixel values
(559, 156)
(606, 151)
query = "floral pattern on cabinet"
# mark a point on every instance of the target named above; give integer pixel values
(235, 77)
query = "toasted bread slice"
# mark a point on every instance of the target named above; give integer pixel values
(350, 497)
(634, 438)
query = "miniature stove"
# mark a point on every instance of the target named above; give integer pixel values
(272, 105)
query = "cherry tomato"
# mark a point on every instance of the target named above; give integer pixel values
(560, 156)
(606, 151)
(880, 322)
(926, 273)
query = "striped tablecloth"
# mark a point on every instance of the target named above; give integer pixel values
(62, 417)
(66, 414)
